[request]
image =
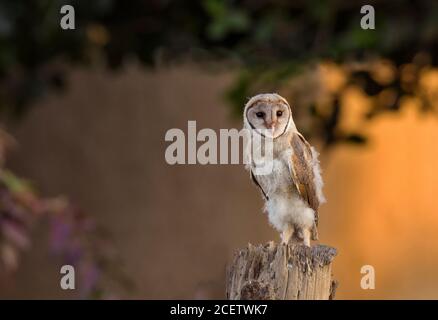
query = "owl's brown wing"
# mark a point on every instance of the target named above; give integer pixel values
(258, 185)
(301, 166)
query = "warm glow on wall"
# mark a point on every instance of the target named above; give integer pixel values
(381, 206)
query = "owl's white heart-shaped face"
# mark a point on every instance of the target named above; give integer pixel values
(271, 118)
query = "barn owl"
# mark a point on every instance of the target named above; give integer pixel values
(293, 188)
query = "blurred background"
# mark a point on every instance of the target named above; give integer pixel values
(84, 112)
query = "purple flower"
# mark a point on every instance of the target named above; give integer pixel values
(60, 233)
(15, 234)
(89, 277)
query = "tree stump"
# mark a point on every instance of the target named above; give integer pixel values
(282, 272)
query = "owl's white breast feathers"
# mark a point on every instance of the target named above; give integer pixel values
(284, 205)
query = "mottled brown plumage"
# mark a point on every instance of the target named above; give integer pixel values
(303, 175)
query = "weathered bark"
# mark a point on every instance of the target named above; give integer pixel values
(280, 272)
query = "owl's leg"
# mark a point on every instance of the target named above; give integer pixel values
(287, 233)
(306, 236)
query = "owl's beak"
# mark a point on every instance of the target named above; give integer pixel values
(270, 125)
(271, 128)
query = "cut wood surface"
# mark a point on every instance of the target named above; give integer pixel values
(281, 272)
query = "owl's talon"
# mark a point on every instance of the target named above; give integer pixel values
(287, 235)
(306, 237)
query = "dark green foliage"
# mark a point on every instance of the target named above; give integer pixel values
(269, 38)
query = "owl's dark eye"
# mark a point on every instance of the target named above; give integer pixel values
(279, 113)
(260, 114)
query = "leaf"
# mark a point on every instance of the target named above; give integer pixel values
(15, 234)
(13, 183)
(356, 138)
(9, 256)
